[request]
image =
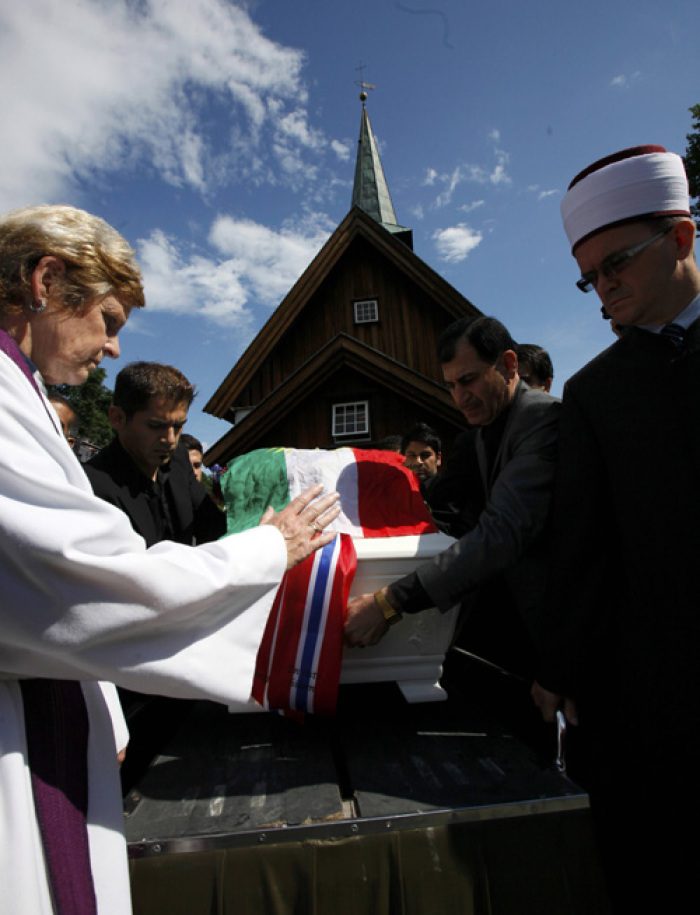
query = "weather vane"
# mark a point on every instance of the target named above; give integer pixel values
(362, 84)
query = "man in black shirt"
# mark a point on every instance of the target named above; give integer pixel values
(143, 471)
(146, 473)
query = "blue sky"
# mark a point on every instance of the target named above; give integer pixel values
(220, 139)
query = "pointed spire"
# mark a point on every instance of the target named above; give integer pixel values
(370, 191)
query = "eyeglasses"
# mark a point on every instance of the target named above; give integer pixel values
(614, 264)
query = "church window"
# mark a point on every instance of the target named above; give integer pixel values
(351, 418)
(366, 311)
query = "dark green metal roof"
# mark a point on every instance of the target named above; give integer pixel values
(370, 191)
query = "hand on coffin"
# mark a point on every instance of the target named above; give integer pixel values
(365, 623)
(301, 523)
(549, 703)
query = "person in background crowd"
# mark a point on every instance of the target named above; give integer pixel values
(81, 597)
(423, 452)
(389, 443)
(621, 639)
(68, 417)
(535, 366)
(195, 452)
(143, 471)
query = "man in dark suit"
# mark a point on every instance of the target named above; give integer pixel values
(499, 483)
(622, 634)
(146, 473)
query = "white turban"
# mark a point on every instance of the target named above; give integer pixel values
(642, 181)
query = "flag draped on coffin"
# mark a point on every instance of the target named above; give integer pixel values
(380, 498)
(298, 664)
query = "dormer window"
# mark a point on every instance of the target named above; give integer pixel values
(366, 311)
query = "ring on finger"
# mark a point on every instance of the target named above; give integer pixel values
(316, 526)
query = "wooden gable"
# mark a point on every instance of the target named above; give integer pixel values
(298, 412)
(391, 362)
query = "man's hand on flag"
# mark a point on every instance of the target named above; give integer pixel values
(302, 522)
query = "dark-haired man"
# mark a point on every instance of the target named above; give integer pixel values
(195, 452)
(623, 623)
(535, 366)
(421, 447)
(508, 463)
(67, 415)
(143, 471)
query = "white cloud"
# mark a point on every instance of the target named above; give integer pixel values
(271, 262)
(496, 174)
(98, 85)
(474, 205)
(451, 181)
(256, 266)
(185, 283)
(455, 243)
(625, 80)
(294, 126)
(499, 175)
(342, 150)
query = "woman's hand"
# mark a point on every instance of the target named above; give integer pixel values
(301, 523)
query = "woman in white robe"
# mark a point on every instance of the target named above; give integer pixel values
(80, 597)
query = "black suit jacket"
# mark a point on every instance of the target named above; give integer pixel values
(194, 516)
(505, 535)
(622, 633)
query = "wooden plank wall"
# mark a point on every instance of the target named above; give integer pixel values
(407, 331)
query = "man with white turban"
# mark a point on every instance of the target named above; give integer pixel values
(622, 633)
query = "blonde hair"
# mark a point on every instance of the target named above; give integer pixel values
(98, 261)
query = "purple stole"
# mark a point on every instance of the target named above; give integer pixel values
(56, 724)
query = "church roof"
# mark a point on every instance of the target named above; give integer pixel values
(370, 190)
(356, 224)
(313, 376)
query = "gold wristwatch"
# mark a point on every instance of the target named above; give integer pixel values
(391, 614)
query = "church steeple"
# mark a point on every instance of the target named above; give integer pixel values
(370, 191)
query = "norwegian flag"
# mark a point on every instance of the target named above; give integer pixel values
(299, 659)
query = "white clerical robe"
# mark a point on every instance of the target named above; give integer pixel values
(82, 599)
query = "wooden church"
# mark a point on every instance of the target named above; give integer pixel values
(349, 355)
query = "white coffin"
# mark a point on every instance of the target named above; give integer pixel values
(412, 652)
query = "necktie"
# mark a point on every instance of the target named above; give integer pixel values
(675, 333)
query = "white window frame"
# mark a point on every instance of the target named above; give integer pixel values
(366, 311)
(345, 414)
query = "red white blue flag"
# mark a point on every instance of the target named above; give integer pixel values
(298, 664)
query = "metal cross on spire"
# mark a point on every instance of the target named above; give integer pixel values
(362, 84)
